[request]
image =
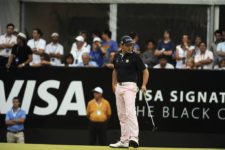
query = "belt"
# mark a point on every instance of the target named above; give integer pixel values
(15, 131)
(126, 83)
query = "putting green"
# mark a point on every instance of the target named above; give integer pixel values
(6, 146)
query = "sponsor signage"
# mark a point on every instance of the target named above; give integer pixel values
(180, 100)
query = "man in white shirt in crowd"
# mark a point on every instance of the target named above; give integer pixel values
(218, 39)
(37, 45)
(7, 41)
(85, 36)
(77, 50)
(163, 63)
(204, 60)
(220, 51)
(55, 50)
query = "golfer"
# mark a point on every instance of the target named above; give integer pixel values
(124, 83)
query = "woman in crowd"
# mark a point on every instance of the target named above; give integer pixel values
(190, 64)
(68, 61)
(196, 50)
(183, 52)
(221, 65)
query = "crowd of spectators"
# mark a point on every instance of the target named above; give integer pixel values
(17, 51)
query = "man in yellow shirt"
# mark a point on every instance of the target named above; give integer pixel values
(98, 112)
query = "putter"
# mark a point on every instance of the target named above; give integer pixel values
(149, 111)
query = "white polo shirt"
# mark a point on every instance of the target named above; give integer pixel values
(221, 47)
(77, 54)
(196, 50)
(55, 48)
(168, 66)
(182, 53)
(88, 46)
(39, 44)
(206, 55)
(4, 39)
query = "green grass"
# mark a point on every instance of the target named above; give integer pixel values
(6, 146)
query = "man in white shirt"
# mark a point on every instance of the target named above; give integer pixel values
(85, 36)
(77, 50)
(55, 50)
(7, 41)
(220, 51)
(204, 60)
(163, 63)
(37, 44)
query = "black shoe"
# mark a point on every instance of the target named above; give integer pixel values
(133, 144)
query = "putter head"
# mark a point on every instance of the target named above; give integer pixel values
(154, 128)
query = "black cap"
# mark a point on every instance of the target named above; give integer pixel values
(126, 40)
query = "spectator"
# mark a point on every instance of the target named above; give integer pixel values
(196, 50)
(86, 61)
(165, 47)
(163, 63)
(77, 50)
(183, 52)
(221, 65)
(190, 64)
(95, 33)
(68, 61)
(220, 52)
(55, 50)
(148, 56)
(45, 61)
(218, 39)
(136, 47)
(98, 113)
(204, 60)
(14, 120)
(223, 35)
(21, 54)
(7, 41)
(110, 63)
(213, 47)
(37, 45)
(85, 36)
(108, 44)
(97, 53)
(16, 32)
